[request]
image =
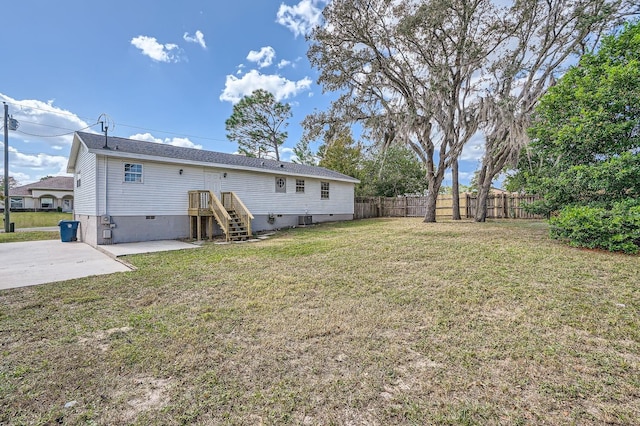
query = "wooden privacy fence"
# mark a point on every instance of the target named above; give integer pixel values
(498, 206)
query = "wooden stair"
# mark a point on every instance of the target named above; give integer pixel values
(229, 212)
(238, 231)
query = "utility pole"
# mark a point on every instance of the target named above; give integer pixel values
(7, 201)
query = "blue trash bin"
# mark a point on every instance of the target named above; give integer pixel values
(68, 230)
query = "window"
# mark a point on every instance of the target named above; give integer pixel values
(324, 190)
(132, 172)
(46, 203)
(299, 186)
(78, 182)
(281, 184)
(16, 203)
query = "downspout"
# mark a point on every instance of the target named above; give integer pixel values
(106, 185)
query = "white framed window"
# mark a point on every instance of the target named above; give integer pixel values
(299, 186)
(281, 184)
(16, 203)
(46, 203)
(133, 172)
(78, 180)
(324, 190)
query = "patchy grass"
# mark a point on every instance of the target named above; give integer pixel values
(388, 321)
(14, 237)
(37, 219)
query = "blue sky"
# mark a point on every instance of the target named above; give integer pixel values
(163, 71)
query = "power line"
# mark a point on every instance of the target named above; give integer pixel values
(56, 136)
(23, 107)
(70, 114)
(173, 133)
(50, 125)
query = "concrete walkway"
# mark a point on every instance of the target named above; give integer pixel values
(38, 262)
(125, 249)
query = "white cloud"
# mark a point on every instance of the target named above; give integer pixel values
(283, 63)
(43, 122)
(464, 178)
(157, 51)
(474, 149)
(182, 142)
(286, 154)
(198, 38)
(21, 178)
(302, 17)
(44, 130)
(264, 57)
(37, 161)
(236, 88)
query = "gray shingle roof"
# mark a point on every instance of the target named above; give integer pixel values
(56, 183)
(95, 142)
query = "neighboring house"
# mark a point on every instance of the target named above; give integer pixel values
(48, 194)
(128, 190)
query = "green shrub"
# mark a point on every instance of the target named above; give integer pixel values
(615, 229)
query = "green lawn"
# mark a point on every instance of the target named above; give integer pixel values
(14, 237)
(386, 321)
(36, 219)
(24, 220)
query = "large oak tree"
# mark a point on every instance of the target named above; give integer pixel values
(429, 74)
(404, 70)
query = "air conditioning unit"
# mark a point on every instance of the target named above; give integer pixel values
(305, 220)
(106, 220)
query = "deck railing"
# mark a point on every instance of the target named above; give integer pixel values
(203, 202)
(231, 201)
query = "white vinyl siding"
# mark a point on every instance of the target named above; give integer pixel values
(164, 191)
(256, 191)
(85, 195)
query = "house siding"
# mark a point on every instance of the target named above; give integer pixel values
(156, 208)
(164, 191)
(85, 195)
(258, 192)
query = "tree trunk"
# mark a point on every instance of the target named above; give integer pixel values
(275, 146)
(430, 215)
(432, 197)
(455, 191)
(484, 186)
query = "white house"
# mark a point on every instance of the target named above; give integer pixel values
(128, 190)
(48, 194)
